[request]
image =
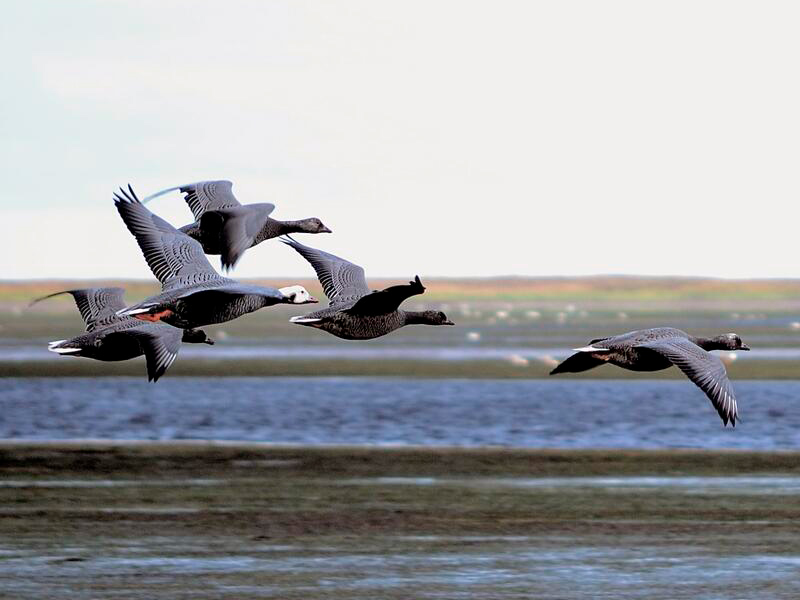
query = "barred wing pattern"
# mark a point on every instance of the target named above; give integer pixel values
(704, 369)
(209, 195)
(160, 345)
(342, 281)
(98, 306)
(174, 258)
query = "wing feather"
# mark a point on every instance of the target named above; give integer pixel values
(97, 306)
(209, 195)
(160, 344)
(239, 230)
(342, 281)
(174, 258)
(704, 369)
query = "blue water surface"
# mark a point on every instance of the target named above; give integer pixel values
(383, 411)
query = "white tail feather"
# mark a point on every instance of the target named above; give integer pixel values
(303, 320)
(126, 312)
(590, 349)
(53, 347)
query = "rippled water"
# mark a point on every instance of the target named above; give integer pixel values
(502, 567)
(530, 413)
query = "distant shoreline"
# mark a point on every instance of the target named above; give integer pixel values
(591, 288)
(739, 371)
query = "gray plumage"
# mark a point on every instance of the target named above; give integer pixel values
(193, 293)
(110, 337)
(224, 226)
(355, 312)
(660, 348)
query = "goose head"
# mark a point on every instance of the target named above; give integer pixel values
(196, 336)
(313, 225)
(434, 317)
(297, 294)
(729, 341)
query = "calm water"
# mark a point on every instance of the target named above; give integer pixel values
(26, 351)
(531, 413)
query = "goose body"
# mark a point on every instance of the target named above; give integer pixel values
(224, 226)
(660, 348)
(193, 293)
(110, 337)
(355, 312)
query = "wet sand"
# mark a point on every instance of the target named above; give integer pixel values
(201, 520)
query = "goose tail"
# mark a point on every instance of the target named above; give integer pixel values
(62, 347)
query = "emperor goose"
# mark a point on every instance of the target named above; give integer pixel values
(193, 293)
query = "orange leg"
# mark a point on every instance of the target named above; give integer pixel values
(155, 316)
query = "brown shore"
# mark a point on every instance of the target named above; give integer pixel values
(230, 520)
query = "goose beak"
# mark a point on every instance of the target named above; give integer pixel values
(448, 322)
(209, 341)
(311, 300)
(325, 230)
(744, 347)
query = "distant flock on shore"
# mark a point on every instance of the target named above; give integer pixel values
(193, 295)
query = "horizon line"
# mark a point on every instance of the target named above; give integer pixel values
(433, 277)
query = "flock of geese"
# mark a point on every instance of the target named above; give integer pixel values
(193, 295)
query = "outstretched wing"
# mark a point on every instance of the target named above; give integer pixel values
(98, 306)
(209, 195)
(159, 343)
(240, 227)
(342, 281)
(577, 363)
(387, 300)
(704, 369)
(174, 258)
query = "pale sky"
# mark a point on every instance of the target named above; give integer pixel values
(439, 138)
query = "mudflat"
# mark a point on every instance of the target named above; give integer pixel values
(214, 520)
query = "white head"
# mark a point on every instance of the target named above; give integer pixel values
(297, 294)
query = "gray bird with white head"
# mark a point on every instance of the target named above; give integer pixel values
(193, 293)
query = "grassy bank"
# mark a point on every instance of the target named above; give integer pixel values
(71, 367)
(87, 458)
(507, 314)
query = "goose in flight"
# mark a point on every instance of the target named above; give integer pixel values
(193, 293)
(355, 312)
(110, 337)
(660, 348)
(224, 226)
